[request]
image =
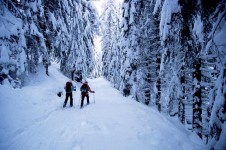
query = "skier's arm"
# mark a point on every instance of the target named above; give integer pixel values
(90, 90)
(73, 87)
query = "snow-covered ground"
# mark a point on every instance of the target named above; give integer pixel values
(32, 118)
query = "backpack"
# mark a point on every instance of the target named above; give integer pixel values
(59, 94)
(84, 89)
(68, 87)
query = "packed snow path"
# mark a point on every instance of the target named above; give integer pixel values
(32, 118)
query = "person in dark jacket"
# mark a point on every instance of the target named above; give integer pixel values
(2, 78)
(69, 88)
(85, 89)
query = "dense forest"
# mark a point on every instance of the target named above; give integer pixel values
(167, 54)
(170, 54)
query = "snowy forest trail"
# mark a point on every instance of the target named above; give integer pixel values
(33, 118)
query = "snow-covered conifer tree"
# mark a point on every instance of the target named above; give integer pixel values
(130, 47)
(12, 43)
(109, 43)
(216, 60)
(170, 26)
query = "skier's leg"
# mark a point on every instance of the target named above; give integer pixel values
(66, 99)
(71, 99)
(87, 99)
(82, 101)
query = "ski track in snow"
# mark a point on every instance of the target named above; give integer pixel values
(112, 123)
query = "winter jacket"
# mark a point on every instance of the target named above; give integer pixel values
(73, 88)
(88, 90)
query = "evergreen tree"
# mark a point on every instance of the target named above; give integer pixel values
(215, 50)
(109, 45)
(12, 43)
(131, 47)
(150, 43)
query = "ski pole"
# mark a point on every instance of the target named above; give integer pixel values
(74, 99)
(79, 100)
(94, 98)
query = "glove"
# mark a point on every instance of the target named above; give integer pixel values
(93, 91)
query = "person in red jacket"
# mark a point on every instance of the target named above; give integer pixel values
(85, 89)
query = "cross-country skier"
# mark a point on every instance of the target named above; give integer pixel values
(69, 88)
(85, 89)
